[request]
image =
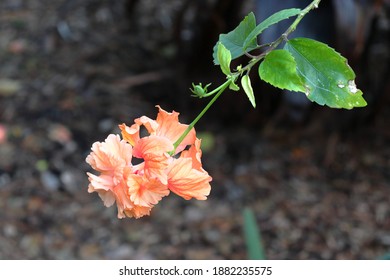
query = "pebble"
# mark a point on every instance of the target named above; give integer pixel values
(73, 180)
(106, 125)
(59, 133)
(7, 155)
(193, 214)
(200, 254)
(89, 251)
(50, 181)
(122, 252)
(9, 230)
(32, 245)
(212, 235)
(5, 179)
(9, 87)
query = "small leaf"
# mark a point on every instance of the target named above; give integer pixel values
(224, 58)
(280, 70)
(234, 40)
(327, 76)
(271, 20)
(246, 85)
(233, 86)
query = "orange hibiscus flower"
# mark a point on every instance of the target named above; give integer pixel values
(137, 189)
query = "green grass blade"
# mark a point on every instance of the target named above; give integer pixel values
(255, 249)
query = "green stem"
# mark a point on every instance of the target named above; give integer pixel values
(247, 68)
(191, 125)
(214, 91)
(293, 26)
(283, 37)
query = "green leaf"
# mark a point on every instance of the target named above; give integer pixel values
(244, 37)
(246, 85)
(273, 19)
(252, 235)
(234, 40)
(233, 86)
(280, 70)
(224, 58)
(327, 76)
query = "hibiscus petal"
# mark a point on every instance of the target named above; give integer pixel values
(195, 153)
(152, 145)
(155, 167)
(137, 211)
(102, 182)
(110, 154)
(123, 202)
(188, 182)
(150, 125)
(171, 128)
(107, 197)
(153, 150)
(103, 185)
(144, 192)
(130, 134)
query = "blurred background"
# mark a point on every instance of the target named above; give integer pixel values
(317, 179)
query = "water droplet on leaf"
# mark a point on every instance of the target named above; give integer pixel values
(352, 86)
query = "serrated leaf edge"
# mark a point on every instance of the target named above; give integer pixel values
(352, 89)
(304, 86)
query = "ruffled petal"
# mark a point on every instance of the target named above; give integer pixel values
(107, 197)
(188, 182)
(170, 127)
(123, 202)
(150, 125)
(137, 211)
(103, 185)
(155, 167)
(195, 153)
(130, 134)
(114, 189)
(152, 145)
(102, 182)
(110, 154)
(153, 150)
(145, 192)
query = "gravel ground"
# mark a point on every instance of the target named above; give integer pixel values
(69, 73)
